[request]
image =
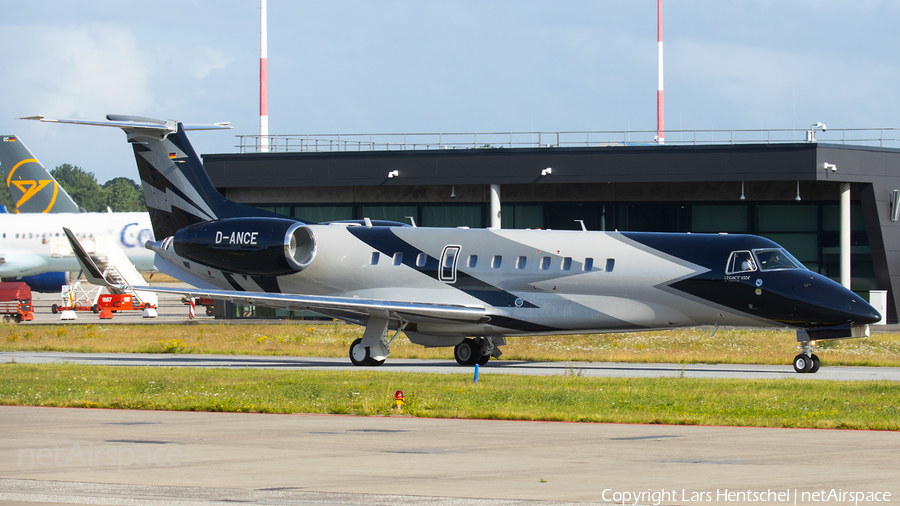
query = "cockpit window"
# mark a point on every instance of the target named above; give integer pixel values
(741, 261)
(775, 259)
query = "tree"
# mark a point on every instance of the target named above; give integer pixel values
(124, 195)
(82, 187)
(6, 200)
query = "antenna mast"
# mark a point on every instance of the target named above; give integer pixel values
(263, 81)
(660, 131)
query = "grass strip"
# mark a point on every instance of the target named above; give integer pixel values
(688, 401)
(688, 346)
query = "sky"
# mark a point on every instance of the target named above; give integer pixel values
(438, 66)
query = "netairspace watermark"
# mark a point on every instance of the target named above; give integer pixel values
(724, 496)
(101, 456)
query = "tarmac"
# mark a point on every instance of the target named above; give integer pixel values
(92, 456)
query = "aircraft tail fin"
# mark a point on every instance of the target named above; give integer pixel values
(176, 187)
(31, 186)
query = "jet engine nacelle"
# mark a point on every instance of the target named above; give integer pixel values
(254, 246)
(48, 282)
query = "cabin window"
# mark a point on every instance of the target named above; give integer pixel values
(496, 261)
(610, 264)
(473, 261)
(776, 259)
(375, 256)
(588, 265)
(566, 264)
(421, 259)
(740, 261)
(398, 258)
(545, 263)
(520, 262)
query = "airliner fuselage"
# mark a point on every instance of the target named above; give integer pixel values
(34, 243)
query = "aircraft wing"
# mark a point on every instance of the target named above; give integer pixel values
(345, 308)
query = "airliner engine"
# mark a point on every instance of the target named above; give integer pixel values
(255, 246)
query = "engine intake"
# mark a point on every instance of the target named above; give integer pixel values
(254, 246)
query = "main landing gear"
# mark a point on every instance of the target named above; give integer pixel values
(360, 355)
(478, 350)
(806, 361)
(374, 346)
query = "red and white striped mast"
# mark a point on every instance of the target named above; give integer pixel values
(263, 81)
(660, 131)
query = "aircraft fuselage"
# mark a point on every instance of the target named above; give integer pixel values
(545, 282)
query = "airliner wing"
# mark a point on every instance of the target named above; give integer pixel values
(347, 308)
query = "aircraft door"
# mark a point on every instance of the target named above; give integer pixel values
(449, 259)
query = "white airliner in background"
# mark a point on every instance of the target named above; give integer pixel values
(33, 242)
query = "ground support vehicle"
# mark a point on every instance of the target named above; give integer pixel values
(15, 302)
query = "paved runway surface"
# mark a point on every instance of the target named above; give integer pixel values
(60, 456)
(450, 367)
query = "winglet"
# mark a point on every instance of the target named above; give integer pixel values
(91, 271)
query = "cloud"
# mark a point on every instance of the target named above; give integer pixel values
(80, 71)
(73, 71)
(769, 84)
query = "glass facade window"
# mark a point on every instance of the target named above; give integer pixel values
(522, 216)
(388, 212)
(285, 210)
(733, 219)
(787, 218)
(653, 217)
(320, 214)
(452, 216)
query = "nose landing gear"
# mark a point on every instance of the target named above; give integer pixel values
(806, 361)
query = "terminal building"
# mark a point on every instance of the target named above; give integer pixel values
(785, 185)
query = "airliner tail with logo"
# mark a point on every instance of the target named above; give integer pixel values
(470, 289)
(31, 186)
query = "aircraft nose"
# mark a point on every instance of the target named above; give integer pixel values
(844, 304)
(863, 313)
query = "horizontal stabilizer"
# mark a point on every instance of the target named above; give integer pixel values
(135, 123)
